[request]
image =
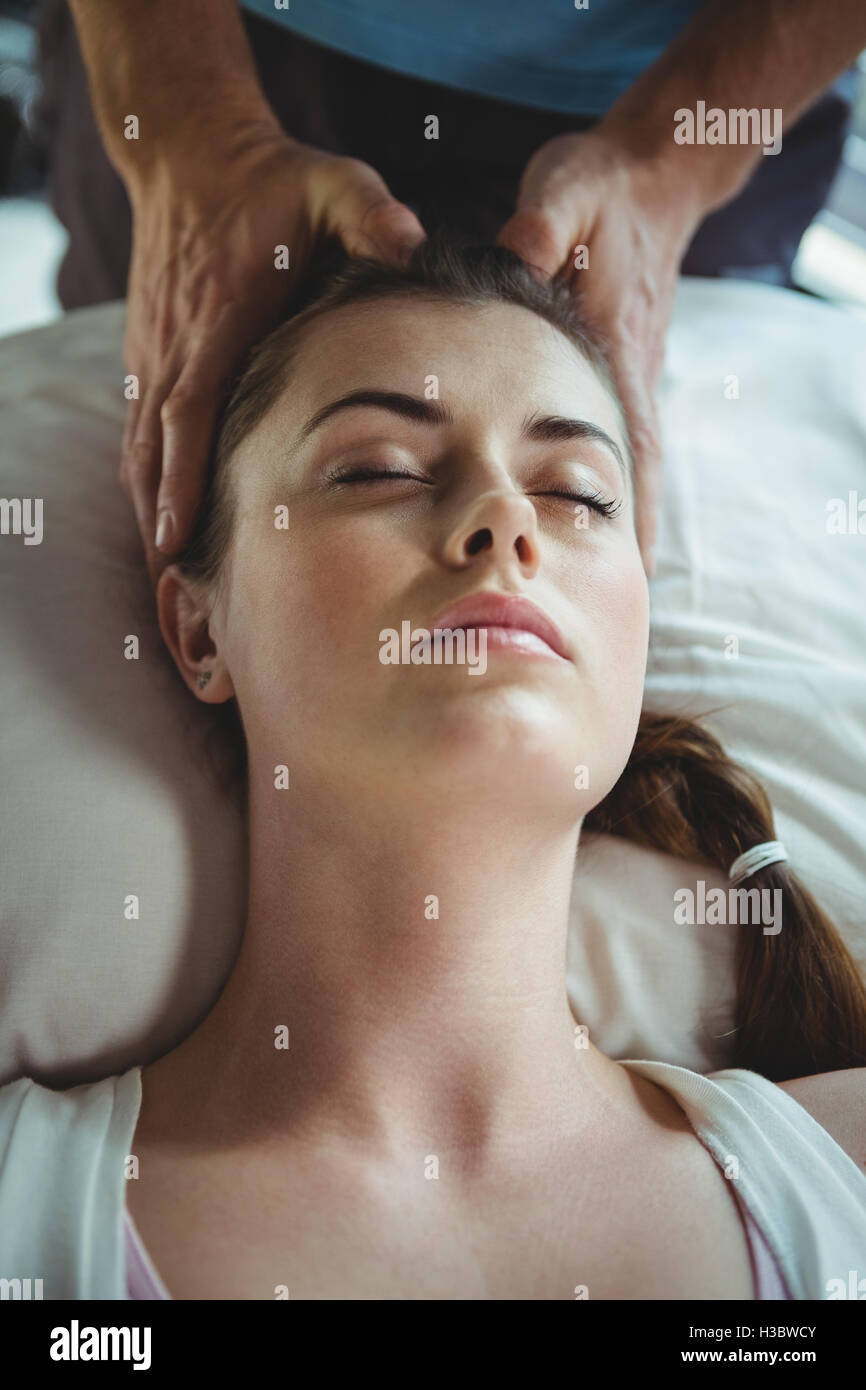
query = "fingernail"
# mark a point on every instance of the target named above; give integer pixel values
(164, 530)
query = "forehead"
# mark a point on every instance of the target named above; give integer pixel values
(493, 361)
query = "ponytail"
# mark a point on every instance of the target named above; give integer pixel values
(801, 1000)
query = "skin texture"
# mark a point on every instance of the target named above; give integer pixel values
(414, 1038)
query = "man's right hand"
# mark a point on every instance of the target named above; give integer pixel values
(204, 287)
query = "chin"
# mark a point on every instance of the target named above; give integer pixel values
(506, 725)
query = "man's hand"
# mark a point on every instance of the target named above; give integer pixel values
(585, 190)
(631, 195)
(204, 287)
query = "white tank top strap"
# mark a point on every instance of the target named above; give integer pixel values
(805, 1193)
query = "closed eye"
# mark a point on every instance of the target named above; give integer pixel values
(366, 473)
(605, 505)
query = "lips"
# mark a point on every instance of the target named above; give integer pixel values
(504, 610)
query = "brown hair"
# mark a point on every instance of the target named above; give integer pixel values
(801, 1001)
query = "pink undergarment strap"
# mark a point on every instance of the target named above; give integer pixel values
(142, 1280)
(769, 1281)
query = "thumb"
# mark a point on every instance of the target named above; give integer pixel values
(645, 436)
(371, 222)
(539, 236)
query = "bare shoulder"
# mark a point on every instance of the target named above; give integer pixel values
(837, 1100)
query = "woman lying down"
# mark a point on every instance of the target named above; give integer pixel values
(391, 1098)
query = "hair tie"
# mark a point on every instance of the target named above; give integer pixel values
(771, 852)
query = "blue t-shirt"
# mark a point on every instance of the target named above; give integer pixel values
(544, 53)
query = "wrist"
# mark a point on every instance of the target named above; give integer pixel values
(693, 179)
(177, 154)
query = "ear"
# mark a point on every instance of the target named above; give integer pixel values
(184, 620)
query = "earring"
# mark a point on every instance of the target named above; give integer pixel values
(203, 678)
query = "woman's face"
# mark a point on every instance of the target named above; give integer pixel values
(298, 625)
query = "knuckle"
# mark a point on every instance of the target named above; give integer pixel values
(535, 225)
(352, 168)
(171, 489)
(140, 461)
(380, 213)
(177, 406)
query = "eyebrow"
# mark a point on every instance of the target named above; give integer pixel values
(544, 429)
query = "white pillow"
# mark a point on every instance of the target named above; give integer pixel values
(105, 764)
(764, 416)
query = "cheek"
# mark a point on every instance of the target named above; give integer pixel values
(617, 636)
(610, 595)
(346, 583)
(624, 612)
(317, 594)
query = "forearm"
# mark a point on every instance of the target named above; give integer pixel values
(184, 70)
(764, 54)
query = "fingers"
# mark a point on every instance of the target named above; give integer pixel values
(388, 230)
(167, 440)
(555, 208)
(142, 455)
(168, 435)
(645, 435)
(130, 423)
(142, 468)
(188, 417)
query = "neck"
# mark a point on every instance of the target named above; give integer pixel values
(401, 981)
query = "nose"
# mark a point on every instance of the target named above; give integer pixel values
(500, 524)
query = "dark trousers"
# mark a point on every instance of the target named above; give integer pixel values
(465, 182)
